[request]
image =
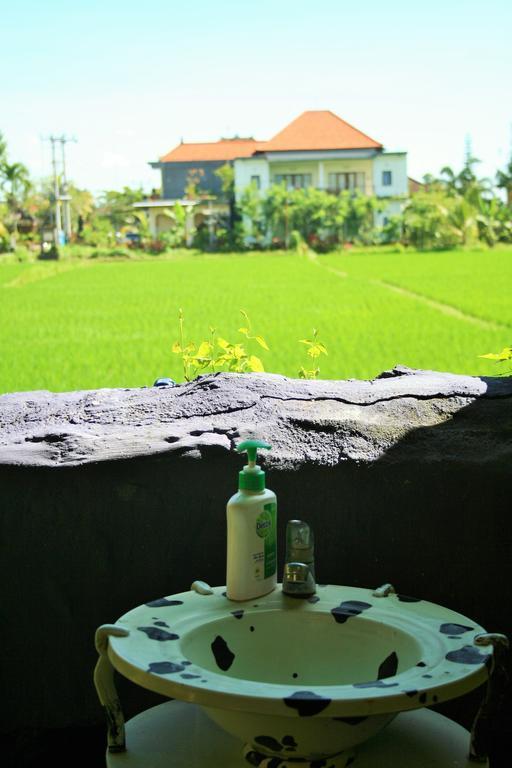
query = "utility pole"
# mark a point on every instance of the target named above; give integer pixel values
(56, 193)
(65, 197)
(61, 195)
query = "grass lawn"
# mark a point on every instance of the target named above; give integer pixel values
(82, 324)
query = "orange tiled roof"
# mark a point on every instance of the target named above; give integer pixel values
(225, 149)
(313, 130)
(317, 130)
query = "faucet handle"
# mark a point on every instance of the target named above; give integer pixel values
(299, 568)
(298, 580)
(299, 538)
(297, 573)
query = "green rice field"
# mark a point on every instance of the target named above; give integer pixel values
(83, 324)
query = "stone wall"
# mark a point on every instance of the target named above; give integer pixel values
(114, 497)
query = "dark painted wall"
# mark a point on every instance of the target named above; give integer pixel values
(83, 545)
(175, 177)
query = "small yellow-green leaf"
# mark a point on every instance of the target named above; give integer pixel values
(255, 364)
(313, 351)
(204, 349)
(261, 341)
(321, 348)
(176, 347)
(505, 354)
(305, 341)
(223, 344)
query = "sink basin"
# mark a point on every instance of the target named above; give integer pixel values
(301, 679)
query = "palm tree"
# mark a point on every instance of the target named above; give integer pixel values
(504, 181)
(14, 179)
(15, 182)
(3, 149)
(450, 179)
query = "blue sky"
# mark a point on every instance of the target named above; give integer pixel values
(129, 79)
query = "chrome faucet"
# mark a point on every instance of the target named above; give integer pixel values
(299, 567)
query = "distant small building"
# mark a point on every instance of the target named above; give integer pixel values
(415, 186)
(189, 163)
(317, 149)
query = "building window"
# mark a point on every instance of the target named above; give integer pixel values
(293, 180)
(256, 182)
(387, 178)
(339, 182)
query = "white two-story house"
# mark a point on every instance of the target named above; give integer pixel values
(321, 150)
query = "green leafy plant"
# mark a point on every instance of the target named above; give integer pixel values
(315, 349)
(500, 357)
(216, 353)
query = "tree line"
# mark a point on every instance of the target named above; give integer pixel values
(449, 210)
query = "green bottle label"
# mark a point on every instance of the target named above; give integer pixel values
(266, 530)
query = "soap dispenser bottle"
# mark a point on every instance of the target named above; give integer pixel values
(252, 540)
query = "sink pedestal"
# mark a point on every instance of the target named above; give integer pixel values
(180, 735)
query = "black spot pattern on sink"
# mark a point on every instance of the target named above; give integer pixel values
(155, 633)
(388, 667)
(289, 742)
(408, 599)
(165, 667)
(161, 624)
(467, 655)
(269, 743)
(427, 676)
(347, 609)
(351, 720)
(422, 698)
(374, 684)
(313, 599)
(421, 664)
(238, 614)
(454, 629)
(307, 703)
(224, 656)
(411, 693)
(189, 676)
(162, 601)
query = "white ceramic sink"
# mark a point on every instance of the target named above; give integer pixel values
(302, 680)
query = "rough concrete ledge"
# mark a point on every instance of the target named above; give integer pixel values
(320, 422)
